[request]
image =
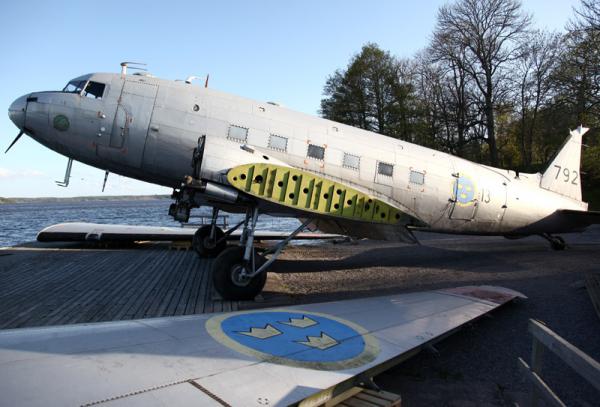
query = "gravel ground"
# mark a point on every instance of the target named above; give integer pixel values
(478, 365)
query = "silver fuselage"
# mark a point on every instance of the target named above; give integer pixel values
(147, 128)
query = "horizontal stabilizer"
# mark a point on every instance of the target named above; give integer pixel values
(581, 217)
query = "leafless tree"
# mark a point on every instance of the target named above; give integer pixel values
(489, 32)
(532, 76)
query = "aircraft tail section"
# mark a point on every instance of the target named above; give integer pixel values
(562, 175)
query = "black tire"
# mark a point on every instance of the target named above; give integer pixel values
(203, 245)
(558, 243)
(230, 261)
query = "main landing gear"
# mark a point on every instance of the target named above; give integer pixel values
(556, 242)
(239, 272)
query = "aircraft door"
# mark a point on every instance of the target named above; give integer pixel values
(465, 202)
(131, 122)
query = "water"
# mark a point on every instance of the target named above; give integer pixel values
(20, 223)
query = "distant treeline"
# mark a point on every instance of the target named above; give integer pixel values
(84, 199)
(489, 87)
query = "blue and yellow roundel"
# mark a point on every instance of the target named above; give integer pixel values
(465, 191)
(295, 338)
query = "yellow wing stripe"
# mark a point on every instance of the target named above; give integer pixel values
(302, 190)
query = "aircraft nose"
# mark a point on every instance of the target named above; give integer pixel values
(16, 111)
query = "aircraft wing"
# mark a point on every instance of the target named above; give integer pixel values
(250, 358)
(310, 195)
(82, 232)
(580, 217)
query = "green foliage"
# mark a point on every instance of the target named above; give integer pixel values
(372, 93)
(542, 85)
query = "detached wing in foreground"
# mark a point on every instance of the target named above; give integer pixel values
(281, 356)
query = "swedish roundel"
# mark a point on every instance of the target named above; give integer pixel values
(295, 338)
(465, 191)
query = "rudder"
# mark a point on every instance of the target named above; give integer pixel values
(562, 175)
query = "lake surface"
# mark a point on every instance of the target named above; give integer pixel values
(21, 223)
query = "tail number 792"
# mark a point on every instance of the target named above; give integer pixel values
(566, 175)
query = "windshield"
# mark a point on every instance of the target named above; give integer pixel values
(74, 87)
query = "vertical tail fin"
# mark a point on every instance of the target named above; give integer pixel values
(562, 175)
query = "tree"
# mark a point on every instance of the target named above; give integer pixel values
(532, 74)
(458, 97)
(578, 75)
(489, 32)
(373, 93)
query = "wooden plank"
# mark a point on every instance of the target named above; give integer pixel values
(587, 367)
(354, 402)
(542, 388)
(378, 399)
(48, 287)
(337, 399)
(592, 284)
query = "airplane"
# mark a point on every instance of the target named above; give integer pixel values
(240, 155)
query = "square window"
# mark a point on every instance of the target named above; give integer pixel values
(238, 133)
(316, 152)
(277, 142)
(351, 161)
(417, 177)
(94, 90)
(385, 169)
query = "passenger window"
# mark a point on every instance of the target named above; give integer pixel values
(385, 169)
(74, 87)
(237, 133)
(94, 90)
(316, 152)
(277, 142)
(351, 161)
(417, 177)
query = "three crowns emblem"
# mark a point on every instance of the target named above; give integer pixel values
(322, 342)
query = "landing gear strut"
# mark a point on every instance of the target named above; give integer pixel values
(239, 273)
(556, 242)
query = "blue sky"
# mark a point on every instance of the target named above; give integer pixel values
(266, 50)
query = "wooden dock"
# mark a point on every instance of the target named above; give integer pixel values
(53, 286)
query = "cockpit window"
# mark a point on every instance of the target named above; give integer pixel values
(74, 87)
(94, 90)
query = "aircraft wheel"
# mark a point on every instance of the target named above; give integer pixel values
(228, 279)
(204, 245)
(558, 243)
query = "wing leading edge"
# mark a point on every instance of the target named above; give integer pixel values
(312, 194)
